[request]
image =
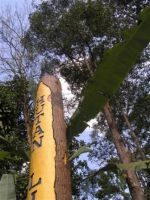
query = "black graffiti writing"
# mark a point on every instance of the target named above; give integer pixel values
(39, 112)
(38, 130)
(31, 186)
(37, 118)
(33, 195)
(37, 143)
(39, 101)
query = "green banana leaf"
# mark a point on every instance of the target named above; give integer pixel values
(7, 187)
(20, 152)
(4, 140)
(110, 74)
(80, 151)
(4, 155)
(135, 165)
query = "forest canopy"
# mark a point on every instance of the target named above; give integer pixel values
(101, 49)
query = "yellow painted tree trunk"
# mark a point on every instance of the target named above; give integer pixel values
(49, 169)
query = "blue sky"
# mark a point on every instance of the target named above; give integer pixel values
(12, 2)
(18, 3)
(9, 2)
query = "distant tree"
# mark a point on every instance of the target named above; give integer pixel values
(19, 71)
(15, 61)
(76, 39)
(13, 137)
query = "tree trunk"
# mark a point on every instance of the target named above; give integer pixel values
(27, 118)
(125, 156)
(49, 169)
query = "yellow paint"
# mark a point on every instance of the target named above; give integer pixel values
(42, 162)
(65, 159)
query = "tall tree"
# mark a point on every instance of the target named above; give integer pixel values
(76, 41)
(83, 33)
(15, 61)
(134, 89)
(17, 66)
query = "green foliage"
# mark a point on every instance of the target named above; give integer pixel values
(4, 155)
(113, 167)
(109, 75)
(80, 151)
(107, 184)
(7, 187)
(131, 98)
(108, 188)
(78, 168)
(68, 33)
(135, 165)
(13, 143)
(74, 35)
(71, 33)
(142, 107)
(21, 185)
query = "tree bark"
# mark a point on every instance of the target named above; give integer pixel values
(49, 167)
(124, 154)
(135, 138)
(27, 118)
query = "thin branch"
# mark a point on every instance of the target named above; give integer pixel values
(11, 28)
(134, 137)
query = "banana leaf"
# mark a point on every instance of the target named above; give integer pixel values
(80, 151)
(109, 75)
(7, 187)
(4, 155)
(135, 165)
